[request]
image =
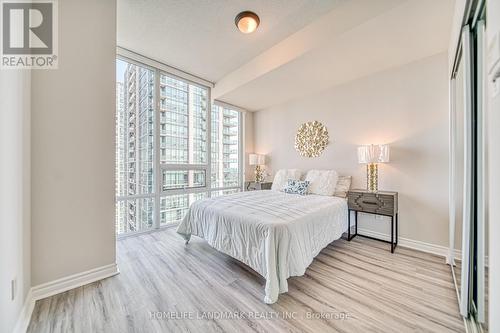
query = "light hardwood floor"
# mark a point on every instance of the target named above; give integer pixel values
(407, 291)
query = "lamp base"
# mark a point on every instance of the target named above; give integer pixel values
(259, 174)
(372, 177)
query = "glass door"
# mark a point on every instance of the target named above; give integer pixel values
(461, 170)
(480, 235)
(468, 227)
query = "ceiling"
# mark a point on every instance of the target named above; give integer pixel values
(200, 37)
(301, 47)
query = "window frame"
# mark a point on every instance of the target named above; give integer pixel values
(162, 69)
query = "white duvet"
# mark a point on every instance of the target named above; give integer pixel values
(275, 233)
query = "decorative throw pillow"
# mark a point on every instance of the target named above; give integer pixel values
(343, 186)
(282, 176)
(322, 182)
(296, 186)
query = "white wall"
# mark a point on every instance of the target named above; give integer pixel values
(73, 149)
(406, 107)
(14, 194)
(493, 116)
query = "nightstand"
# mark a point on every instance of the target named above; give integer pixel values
(255, 186)
(378, 203)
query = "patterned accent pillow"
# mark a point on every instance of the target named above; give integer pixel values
(293, 186)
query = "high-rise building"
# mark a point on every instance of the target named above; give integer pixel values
(225, 147)
(183, 140)
(120, 158)
(137, 119)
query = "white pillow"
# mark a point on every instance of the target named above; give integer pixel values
(322, 182)
(282, 176)
(343, 186)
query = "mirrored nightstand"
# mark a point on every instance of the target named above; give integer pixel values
(255, 186)
(379, 203)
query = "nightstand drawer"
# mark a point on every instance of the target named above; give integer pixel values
(376, 203)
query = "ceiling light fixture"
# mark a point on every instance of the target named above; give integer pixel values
(247, 22)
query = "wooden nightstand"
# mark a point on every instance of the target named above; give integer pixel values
(378, 203)
(254, 186)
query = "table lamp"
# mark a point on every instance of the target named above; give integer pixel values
(258, 160)
(371, 155)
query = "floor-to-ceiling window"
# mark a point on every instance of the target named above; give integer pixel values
(173, 146)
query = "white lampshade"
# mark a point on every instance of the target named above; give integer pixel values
(256, 159)
(373, 154)
(383, 156)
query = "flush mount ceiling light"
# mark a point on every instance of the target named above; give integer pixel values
(247, 22)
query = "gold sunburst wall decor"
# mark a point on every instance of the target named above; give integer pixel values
(311, 139)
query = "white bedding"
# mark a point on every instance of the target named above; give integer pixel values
(275, 233)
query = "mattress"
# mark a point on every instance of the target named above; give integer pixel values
(275, 233)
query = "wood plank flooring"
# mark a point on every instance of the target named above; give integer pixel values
(165, 286)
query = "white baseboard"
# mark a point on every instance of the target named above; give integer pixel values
(439, 250)
(73, 281)
(58, 286)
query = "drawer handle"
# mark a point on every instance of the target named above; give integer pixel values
(370, 203)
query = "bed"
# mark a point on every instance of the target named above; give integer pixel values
(275, 233)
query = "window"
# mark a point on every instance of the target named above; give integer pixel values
(172, 146)
(225, 140)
